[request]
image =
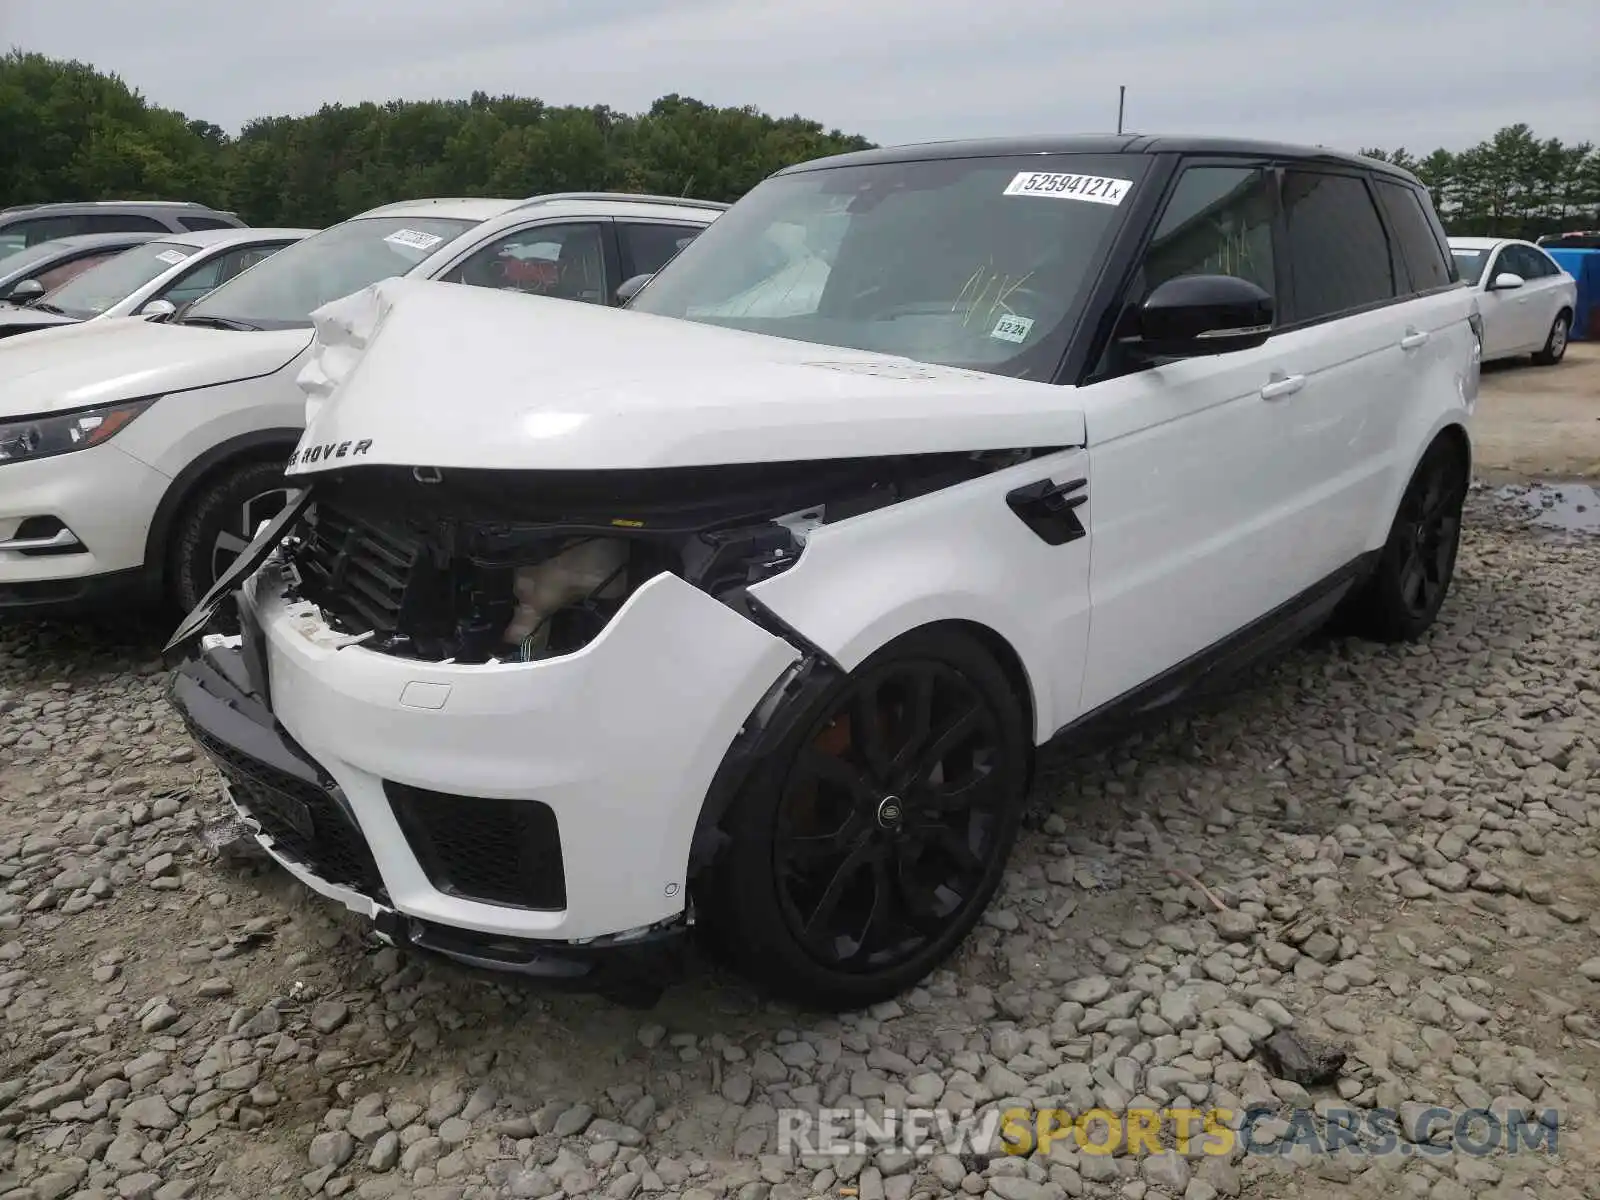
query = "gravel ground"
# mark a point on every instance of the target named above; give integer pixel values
(1402, 842)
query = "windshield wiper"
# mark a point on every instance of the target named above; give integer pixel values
(41, 306)
(221, 323)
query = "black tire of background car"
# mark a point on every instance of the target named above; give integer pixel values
(217, 505)
(1555, 346)
(745, 910)
(1432, 503)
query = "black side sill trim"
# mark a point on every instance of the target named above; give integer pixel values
(1206, 672)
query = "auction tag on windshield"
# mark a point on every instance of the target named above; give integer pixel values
(1097, 189)
(174, 257)
(414, 238)
(1012, 328)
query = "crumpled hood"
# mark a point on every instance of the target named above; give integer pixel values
(414, 372)
(120, 358)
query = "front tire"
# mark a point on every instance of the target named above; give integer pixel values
(1555, 346)
(866, 846)
(217, 523)
(1401, 599)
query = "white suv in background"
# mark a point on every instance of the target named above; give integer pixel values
(746, 606)
(155, 278)
(1527, 300)
(137, 457)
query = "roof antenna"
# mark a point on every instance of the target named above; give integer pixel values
(1122, 94)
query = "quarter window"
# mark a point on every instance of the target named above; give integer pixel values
(1218, 222)
(1419, 248)
(1338, 252)
(564, 261)
(195, 224)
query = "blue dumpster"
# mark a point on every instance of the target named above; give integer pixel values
(1584, 266)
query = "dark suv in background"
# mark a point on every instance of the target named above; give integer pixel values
(29, 224)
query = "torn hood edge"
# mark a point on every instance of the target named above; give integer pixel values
(414, 372)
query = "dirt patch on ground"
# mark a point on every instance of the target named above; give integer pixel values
(1540, 422)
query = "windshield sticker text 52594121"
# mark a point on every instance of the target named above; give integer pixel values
(1097, 189)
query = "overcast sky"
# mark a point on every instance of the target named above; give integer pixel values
(1346, 73)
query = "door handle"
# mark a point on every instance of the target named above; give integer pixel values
(1412, 340)
(1287, 386)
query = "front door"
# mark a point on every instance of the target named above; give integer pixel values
(1198, 524)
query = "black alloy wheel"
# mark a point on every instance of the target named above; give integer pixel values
(870, 845)
(1402, 598)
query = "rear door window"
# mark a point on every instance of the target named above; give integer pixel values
(121, 223)
(1339, 255)
(1425, 261)
(45, 229)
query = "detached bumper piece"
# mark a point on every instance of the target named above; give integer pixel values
(278, 787)
(504, 852)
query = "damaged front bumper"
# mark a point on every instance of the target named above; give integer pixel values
(535, 817)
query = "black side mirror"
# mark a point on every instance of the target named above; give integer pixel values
(27, 290)
(630, 288)
(1195, 315)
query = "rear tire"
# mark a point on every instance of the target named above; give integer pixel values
(859, 862)
(218, 521)
(1555, 346)
(1402, 597)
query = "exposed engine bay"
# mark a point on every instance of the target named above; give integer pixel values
(498, 566)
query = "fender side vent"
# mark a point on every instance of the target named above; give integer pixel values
(1050, 509)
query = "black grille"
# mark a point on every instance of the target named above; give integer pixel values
(305, 823)
(496, 851)
(354, 568)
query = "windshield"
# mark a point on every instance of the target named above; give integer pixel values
(977, 262)
(98, 288)
(281, 292)
(1470, 263)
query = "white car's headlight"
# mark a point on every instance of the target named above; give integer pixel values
(61, 433)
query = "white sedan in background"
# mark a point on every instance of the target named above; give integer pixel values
(1526, 298)
(153, 279)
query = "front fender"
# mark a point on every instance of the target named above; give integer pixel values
(959, 554)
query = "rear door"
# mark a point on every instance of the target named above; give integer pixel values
(1349, 324)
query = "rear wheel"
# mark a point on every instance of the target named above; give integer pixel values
(1403, 596)
(218, 523)
(1555, 346)
(868, 844)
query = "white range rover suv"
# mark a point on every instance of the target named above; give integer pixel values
(137, 456)
(747, 605)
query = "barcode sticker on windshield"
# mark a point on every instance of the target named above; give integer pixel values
(414, 238)
(1097, 189)
(172, 257)
(1012, 328)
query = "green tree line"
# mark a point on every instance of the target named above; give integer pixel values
(74, 133)
(1510, 185)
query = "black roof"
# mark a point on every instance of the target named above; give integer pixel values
(1106, 143)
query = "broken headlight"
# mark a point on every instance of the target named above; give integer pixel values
(577, 581)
